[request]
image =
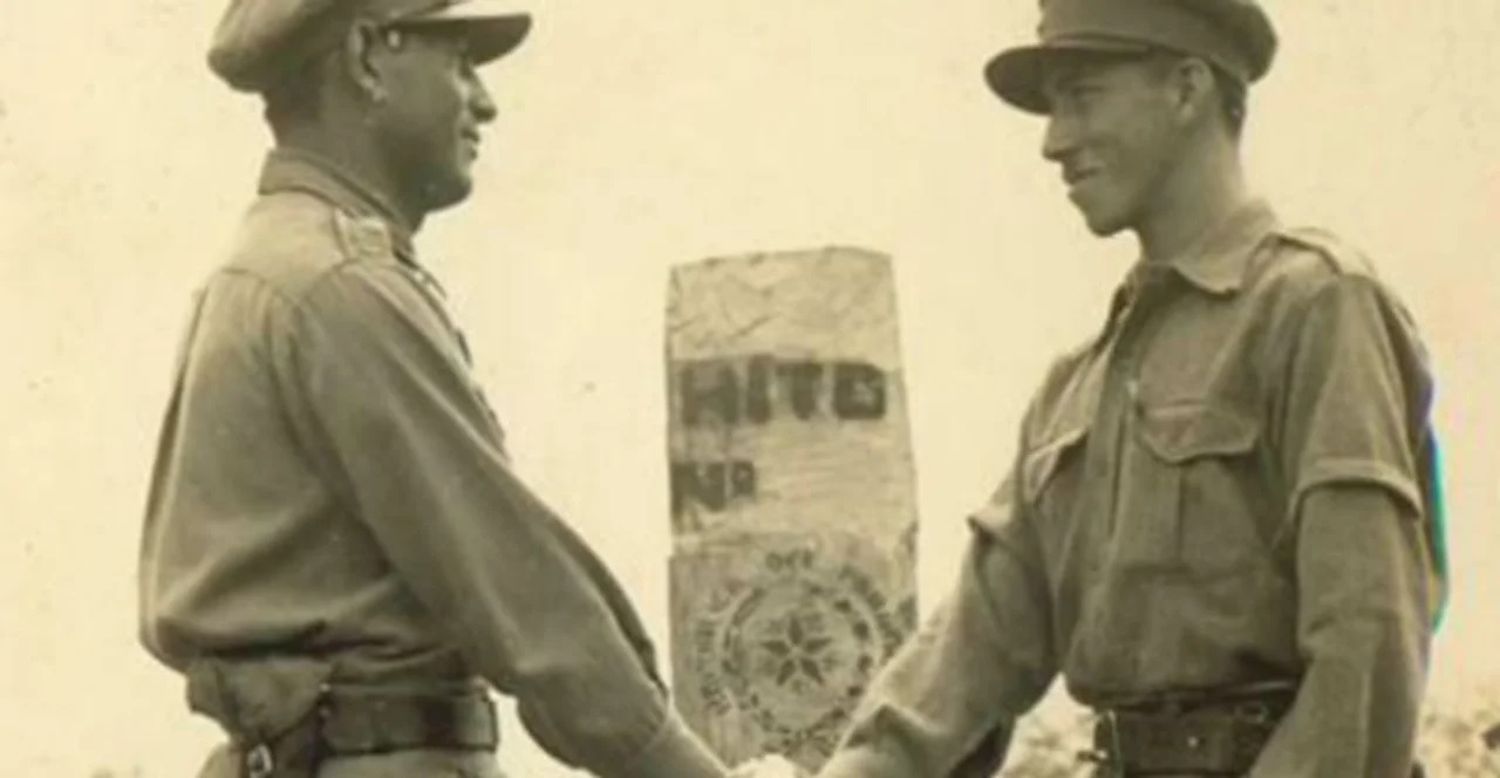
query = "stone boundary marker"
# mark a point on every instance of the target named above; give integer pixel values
(793, 497)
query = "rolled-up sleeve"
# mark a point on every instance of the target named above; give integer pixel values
(1357, 395)
(1356, 453)
(945, 703)
(393, 415)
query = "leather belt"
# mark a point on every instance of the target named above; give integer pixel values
(1204, 735)
(357, 722)
(354, 723)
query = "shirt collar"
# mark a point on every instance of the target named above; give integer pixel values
(1219, 260)
(288, 169)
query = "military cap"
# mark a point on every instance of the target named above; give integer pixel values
(1234, 35)
(259, 42)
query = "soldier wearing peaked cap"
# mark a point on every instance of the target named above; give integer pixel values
(337, 554)
(1221, 528)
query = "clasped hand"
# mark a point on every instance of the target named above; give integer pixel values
(769, 766)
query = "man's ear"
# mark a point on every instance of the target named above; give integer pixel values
(1193, 87)
(360, 59)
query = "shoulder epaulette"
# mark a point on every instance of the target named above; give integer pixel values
(362, 237)
(1340, 255)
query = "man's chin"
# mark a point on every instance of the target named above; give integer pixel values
(1100, 221)
(448, 193)
(1104, 229)
(1102, 225)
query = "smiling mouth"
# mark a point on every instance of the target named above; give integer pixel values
(1074, 178)
(471, 144)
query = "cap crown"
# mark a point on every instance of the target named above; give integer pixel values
(259, 42)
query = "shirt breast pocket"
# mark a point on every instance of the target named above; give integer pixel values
(1192, 501)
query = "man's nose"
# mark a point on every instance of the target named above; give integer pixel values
(480, 101)
(1060, 139)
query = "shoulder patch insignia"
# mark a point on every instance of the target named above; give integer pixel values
(362, 237)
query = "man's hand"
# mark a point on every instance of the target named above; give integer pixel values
(768, 766)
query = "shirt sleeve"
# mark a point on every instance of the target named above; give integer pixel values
(1355, 450)
(944, 704)
(394, 416)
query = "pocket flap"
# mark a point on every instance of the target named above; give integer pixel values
(1039, 464)
(1183, 431)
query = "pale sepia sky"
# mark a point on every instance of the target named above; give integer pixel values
(635, 135)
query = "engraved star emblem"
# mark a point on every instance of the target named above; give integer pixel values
(798, 652)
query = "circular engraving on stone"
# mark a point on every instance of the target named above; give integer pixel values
(793, 649)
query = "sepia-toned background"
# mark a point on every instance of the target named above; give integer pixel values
(635, 135)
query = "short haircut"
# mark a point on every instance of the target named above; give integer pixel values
(297, 96)
(1233, 99)
(1231, 91)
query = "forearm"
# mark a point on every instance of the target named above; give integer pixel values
(532, 608)
(1364, 631)
(978, 662)
(584, 688)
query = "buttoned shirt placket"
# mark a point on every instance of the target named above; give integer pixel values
(1135, 316)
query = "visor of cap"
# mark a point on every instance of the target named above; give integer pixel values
(1017, 74)
(493, 28)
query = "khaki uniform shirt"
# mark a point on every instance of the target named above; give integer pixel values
(331, 482)
(1232, 484)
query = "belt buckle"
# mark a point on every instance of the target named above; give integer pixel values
(1110, 754)
(1255, 712)
(493, 717)
(259, 761)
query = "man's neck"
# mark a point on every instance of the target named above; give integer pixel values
(1204, 192)
(353, 158)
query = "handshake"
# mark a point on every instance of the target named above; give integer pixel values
(769, 766)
